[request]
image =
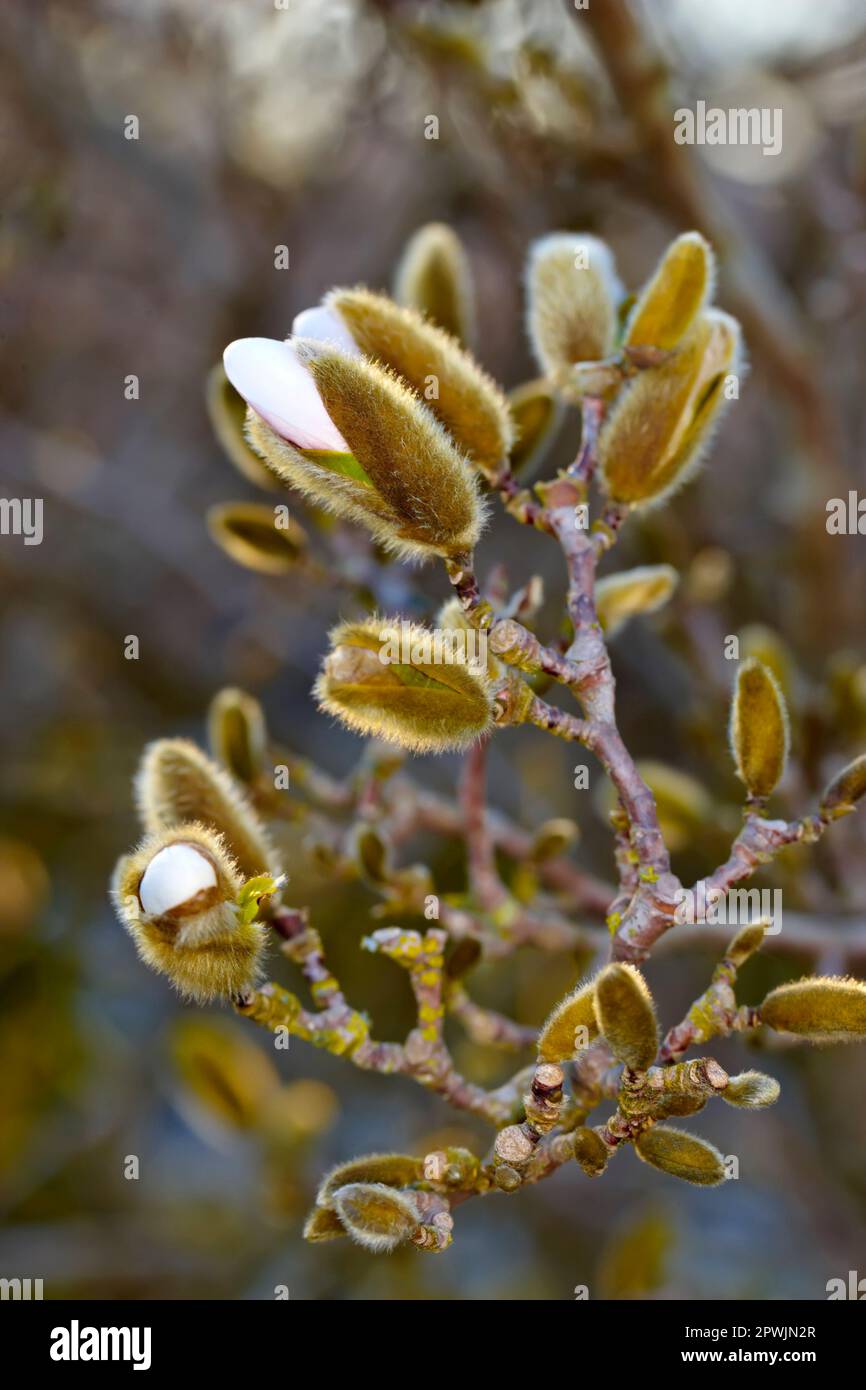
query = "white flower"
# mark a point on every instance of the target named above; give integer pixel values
(174, 875)
(274, 381)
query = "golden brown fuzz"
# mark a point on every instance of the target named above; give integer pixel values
(822, 1009)
(572, 299)
(405, 480)
(682, 1155)
(178, 782)
(434, 277)
(202, 946)
(758, 729)
(447, 378)
(560, 1037)
(670, 302)
(422, 704)
(626, 1015)
(656, 431)
(645, 589)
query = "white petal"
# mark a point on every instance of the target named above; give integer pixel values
(173, 876)
(271, 379)
(326, 326)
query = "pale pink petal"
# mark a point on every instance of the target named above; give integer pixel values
(326, 326)
(271, 379)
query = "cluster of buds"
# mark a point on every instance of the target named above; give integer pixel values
(376, 411)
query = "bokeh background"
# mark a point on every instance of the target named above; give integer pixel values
(304, 126)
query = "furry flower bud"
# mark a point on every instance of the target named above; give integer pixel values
(758, 729)
(177, 897)
(435, 278)
(619, 597)
(682, 1155)
(845, 790)
(438, 370)
(670, 302)
(379, 1218)
(387, 1170)
(747, 941)
(249, 534)
(383, 678)
(225, 1076)
(826, 1009)
(626, 1016)
(752, 1090)
(177, 782)
(237, 733)
(571, 1024)
(386, 463)
(572, 298)
(661, 421)
(590, 1151)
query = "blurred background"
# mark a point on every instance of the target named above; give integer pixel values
(303, 125)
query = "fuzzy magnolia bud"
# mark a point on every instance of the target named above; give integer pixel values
(670, 302)
(654, 435)
(553, 837)
(379, 1218)
(227, 410)
(747, 941)
(572, 298)
(388, 1170)
(590, 1151)
(237, 733)
(400, 474)
(384, 679)
(248, 532)
(752, 1090)
(619, 597)
(323, 1223)
(682, 1155)
(435, 367)
(536, 413)
(177, 897)
(434, 277)
(626, 1016)
(826, 1009)
(225, 1077)
(758, 729)
(571, 1025)
(177, 782)
(845, 790)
